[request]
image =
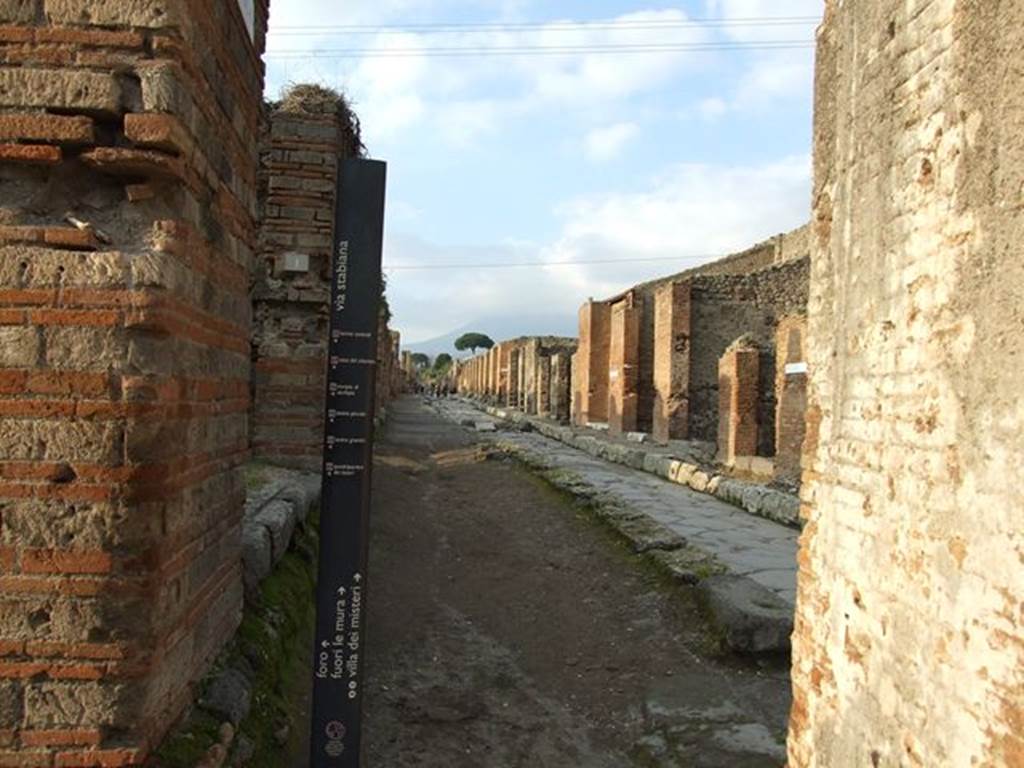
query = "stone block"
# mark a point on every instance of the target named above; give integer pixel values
(58, 705)
(73, 89)
(229, 696)
(11, 706)
(152, 14)
(279, 518)
(752, 618)
(18, 11)
(19, 346)
(85, 349)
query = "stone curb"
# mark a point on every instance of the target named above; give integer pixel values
(757, 499)
(271, 515)
(273, 512)
(752, 619)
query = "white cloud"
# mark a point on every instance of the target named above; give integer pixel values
(605, 143)
(687, 216)
(713, 108)
(464, 97)
(771, 75)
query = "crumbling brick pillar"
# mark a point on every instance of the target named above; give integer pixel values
(738, 374)
(309, 131)
(512, 377)
(543, 385)
(671, 362)
(791, 396)
(623, 362)
(495, 375)
(561, 386)
(530, 362)
(590, 369)
(127, 229)
(908, 646)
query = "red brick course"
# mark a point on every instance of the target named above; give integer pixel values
(124, 364)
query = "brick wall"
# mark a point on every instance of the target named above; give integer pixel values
(510, 387)
(725, 307)
(308, 132)
(671, 374)
(590, 365)
(678, 351)
(623, 366)
(530, 378)
(790, 395)
(543, 386)
(561, 384)
(127, 228)
(528, 386)
(908, 647)
(738, 378)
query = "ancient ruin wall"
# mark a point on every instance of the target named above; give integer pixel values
(790, 396)
(909, 648)
(671, 407)
(725, 307)
(623, 354)
(127, 230)
(308, 133)
(590, 364)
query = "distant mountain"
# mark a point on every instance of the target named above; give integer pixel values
(500, 328)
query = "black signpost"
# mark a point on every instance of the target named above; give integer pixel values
(338, 657)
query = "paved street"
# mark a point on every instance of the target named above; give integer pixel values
(509, 630)
(748, 545)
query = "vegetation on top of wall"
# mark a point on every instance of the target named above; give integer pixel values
(317, 99)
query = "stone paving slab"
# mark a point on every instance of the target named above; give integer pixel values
(688, 463)
(759, 549)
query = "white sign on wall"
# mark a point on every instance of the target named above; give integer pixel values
(249, 14)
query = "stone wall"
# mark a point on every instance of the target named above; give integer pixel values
(590, 365)
(623, 366)
(725, 307)
(909, 648)
(128, 211)
(561, 386)
(790, 395)
(307, 134)
(684, 324)
(531, 373)
(671, 407)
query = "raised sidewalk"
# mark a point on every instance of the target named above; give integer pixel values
(744, 566)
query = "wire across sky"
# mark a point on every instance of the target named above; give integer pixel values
(514, 264)
(534, 38)
(538, 26)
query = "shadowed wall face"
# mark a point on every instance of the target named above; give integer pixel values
(291, 293)
(623, 367)
(671, 362)
(908, 646)
(791, 396)
(128, 202)
(738, 374)
(590, 365)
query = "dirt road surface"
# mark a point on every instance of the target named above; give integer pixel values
(507, 629)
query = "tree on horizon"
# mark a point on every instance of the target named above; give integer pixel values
(473, 341)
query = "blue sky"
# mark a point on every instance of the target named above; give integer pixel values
(582, 157)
